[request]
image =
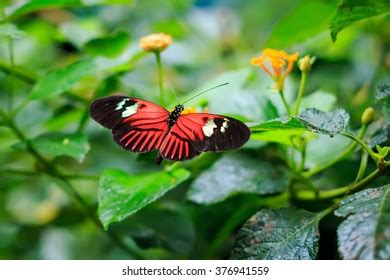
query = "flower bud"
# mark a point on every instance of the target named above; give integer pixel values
(368, 115)
(155, 42)
(305, 63)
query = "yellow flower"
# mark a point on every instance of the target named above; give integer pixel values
(189, 110)
(155, 42)
(273, 62)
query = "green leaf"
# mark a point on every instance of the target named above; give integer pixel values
(110, 46)
(174, 230)
(58, 144)
(331, 123)
(73, 145)
(292, 29)
(278, 131)
(10, 30)
(121, 195)
(237, 173)
(382, 91)
(386, 109)
(321, 100)
(286, 234)
(36, 5)
(279, 124)
(365, 234)
(381, 137)
(351, 11)
(62, 79)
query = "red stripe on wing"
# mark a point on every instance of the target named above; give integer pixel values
(137, 125)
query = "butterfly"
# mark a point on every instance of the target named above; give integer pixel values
(142, 126)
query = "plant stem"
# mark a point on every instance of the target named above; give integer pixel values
(361, 143)
(160, 77)
(83, 121)
(281, 94)
(301, 92)
(19, 72)
(35, 173)
(345, 153)
(52, 171)
(362, 167)
(303, 158)
(327, 194)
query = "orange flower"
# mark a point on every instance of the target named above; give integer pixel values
(155, 42)
(273, 62)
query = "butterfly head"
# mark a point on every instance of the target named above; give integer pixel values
(177, 111)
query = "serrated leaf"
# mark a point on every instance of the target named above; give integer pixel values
(278, 130)
(365, 234)
(382, 91)
(59, 144)
(10, 30)
(292, 29)
(351, 11)
(237, 173)
(110, 46)
(121, 195)
(62, 79)
(282, 234)
(381, 137)
(331, 123)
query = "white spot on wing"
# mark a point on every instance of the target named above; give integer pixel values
(224, 125)
(208, 128)
(120, 104)
(130, 110)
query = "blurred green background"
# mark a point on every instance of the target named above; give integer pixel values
(213, 42)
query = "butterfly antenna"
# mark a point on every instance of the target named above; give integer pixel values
(196, 95)
(173, 90)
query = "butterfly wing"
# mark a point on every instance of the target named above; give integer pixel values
(195, 133)
(137, 125)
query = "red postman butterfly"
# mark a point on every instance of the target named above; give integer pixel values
(142, 126)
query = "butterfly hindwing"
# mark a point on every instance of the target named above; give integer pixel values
(137, 125)
(200, 132)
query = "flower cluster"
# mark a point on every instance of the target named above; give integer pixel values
(155, 42)
(278, 64)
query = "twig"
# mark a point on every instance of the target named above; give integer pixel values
(327, 194)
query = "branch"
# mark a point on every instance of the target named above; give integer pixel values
(345, 153)
(308, 195)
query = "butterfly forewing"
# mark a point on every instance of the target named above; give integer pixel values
(137, 125)
(200, 132)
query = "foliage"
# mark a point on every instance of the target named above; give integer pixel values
(311, 183)
(278, 234)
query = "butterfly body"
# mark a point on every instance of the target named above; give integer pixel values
(142, 126)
